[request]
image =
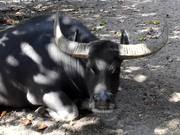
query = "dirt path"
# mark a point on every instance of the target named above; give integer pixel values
(148, 100)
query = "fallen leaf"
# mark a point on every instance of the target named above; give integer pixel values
(7, 20)
(3, 113)
(118, 34)
(97, 29)
(19, 13)
(26, 122)
(30, 117)
(142, 38)
(103, 23)
(42, 126)
(154, 22)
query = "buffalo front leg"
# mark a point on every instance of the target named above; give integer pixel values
(60, 107)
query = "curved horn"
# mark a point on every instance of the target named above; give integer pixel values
(132, 51)
(124, 37)
(79, 50)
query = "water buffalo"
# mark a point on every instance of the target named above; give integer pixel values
(56, 62)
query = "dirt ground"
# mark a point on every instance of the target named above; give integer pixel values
(149, 93)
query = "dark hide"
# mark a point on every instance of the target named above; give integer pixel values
(34, 71)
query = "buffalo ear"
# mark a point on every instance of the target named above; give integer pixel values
(57, 29)
(124, 37)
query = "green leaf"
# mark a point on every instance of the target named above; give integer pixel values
(154, 22)
(142, 38)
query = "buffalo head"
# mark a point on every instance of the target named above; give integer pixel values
(103, 59)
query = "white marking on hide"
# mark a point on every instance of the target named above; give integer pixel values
(53, 96)
(30, 52)
(2, 39)
(16, 32)
(45, 76)
(59, 57)
(59, 112)
(101, 65)
(11, 60)
(99, 87)
(49, 78)
(32, 99)
(54, 53)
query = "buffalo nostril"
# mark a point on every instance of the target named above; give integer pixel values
(103, 96)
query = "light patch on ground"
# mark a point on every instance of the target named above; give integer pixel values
(160, 131)
(176, 34)
(132, 69)
(140, 78)
(148, 14)
(175, 97)
(148, 30)
(168, 128)
(17, 130)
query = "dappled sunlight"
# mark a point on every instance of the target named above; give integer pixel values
(155, 67)
(176, 58)
(78, 125)
(91, 125)
(175, 35)
(15, 130)
(148, 29)
(138, 2)
(148, 14)
(105, 35)
(131, 69)
(175, 97)
(140, 78)
(160, 131)
(169, 127)
(133, 7)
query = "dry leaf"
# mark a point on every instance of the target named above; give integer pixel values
(142, 38)
(2, 114)
(118, 34)
(42, 126)
(26, 122)
(30, 117)
(154, 22)
(19, 13)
